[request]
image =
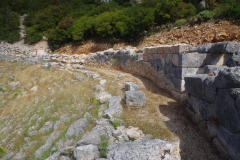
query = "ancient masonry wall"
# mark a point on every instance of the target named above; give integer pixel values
(208, 76)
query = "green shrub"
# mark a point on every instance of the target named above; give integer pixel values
(205, 16)
(180, 22)
(32, 35)
(81, 26)
(9, 28)
(2, 151)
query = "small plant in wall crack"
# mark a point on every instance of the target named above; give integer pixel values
(103, 146)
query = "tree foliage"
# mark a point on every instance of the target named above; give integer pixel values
(64, 21)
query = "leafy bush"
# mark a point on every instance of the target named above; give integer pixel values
(113, 24)
(81, 26)
(48, 18)
(163, 10)
(9, 29)
(205, 15)
(32, 35)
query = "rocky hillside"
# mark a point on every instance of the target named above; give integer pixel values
(197, 34)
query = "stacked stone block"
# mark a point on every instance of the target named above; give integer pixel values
(215, 100)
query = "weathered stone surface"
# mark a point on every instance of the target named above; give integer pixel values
(115, 107)
(194, 84)
(221, 148)
(135, 98)
(103, 128)
(213, 69)
(202, 108)
(134, 133)
(87, 152)
(47, 145)
(46, 127)
(77, 128)
(225, 47)
(230, 141)
(130, 86)
(143, 150)
(54, 156)
(102, 96)
(205, 48)
(228, 78)
(193, 60)
(227, 112)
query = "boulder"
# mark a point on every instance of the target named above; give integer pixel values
(103, 128)
(135, 98)
(145, 149)
(87, 152)
(77, 128)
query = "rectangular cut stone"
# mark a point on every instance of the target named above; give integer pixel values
(192, 60)
(194, 84)
(182, 48)
(216, 59)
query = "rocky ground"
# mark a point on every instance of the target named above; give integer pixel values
(197, 34)
(35, 96)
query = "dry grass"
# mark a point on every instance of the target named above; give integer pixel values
(22, 109)
(147, 118)
(58, 94)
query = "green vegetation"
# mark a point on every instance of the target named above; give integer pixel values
(2, 151)
(78, 20)
(103, 146)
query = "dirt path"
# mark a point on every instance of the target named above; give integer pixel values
(171, 113)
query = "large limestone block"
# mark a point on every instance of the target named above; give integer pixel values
(228, 78)
(202, 108)
(231, 141)
(225, 47)
(135, 98)
(77, 128)
(115, 108)
(213, 69)
(144, 150)
(205, 48)
(227, 112)
(87, 152)
(192, 60)
(194, 84)
(217, 59)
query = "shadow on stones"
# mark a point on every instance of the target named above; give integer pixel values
(193, 142)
